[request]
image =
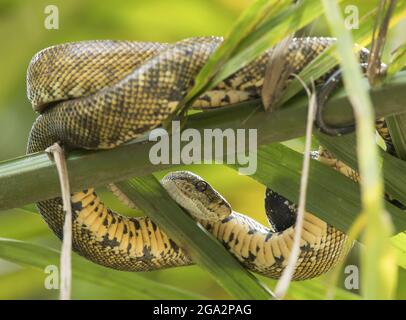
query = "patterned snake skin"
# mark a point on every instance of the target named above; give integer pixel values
(100, 94)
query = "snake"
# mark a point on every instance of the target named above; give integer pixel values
(100, 94)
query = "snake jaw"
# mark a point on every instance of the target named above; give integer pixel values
(197, 196)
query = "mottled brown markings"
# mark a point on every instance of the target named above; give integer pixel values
(174, 246)
(106, 222)
(88, 128)
(227, 219)
(76, 207)
(109, 242)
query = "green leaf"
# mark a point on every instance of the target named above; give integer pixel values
(279, 168)
(148, 194)
(344, 148)
(134, 284)
(21, 224)
(397, 128)
(378, 264)
(398, 60)
(399, 242)
(328, 59)
(246, 24)
(263, 25)
(394, 169)
(315, 290)
(21, 177)
(287, 21)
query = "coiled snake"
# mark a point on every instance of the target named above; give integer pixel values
(100, 94)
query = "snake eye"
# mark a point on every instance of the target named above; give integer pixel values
(201, 186)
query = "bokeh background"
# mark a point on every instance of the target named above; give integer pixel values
(22, 34)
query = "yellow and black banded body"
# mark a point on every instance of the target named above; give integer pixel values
(100, 94)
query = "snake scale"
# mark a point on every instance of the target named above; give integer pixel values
(100, 94)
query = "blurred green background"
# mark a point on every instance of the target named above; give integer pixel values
(22, 34)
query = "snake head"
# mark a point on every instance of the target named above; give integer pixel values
(197, 196)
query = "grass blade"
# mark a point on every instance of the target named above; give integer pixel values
(399, 243)
(344, 148)
(21, 177)
(246, 24)
(379, 271)
(279, 168)
(134, 284)
(397, 128)
(261, 26)
(398, 60)
(287, 21)
(204, 249)
(329, 58)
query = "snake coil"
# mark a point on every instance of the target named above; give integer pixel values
(100, 94)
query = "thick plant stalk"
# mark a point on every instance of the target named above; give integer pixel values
(378, 39)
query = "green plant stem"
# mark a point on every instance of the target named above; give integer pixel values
(31, 178)
(150, 197)
(280, 168)
(374, 283)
